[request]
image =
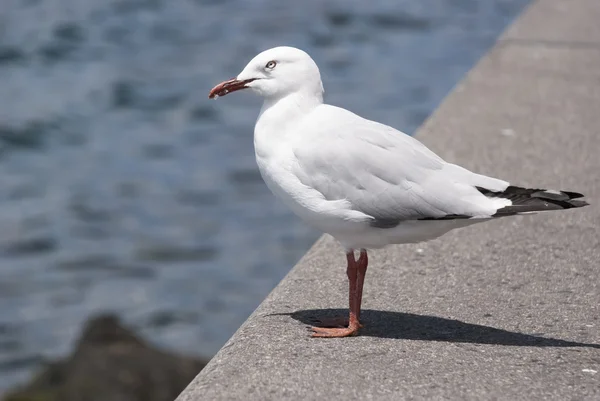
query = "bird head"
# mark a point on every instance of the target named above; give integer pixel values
(275, 73)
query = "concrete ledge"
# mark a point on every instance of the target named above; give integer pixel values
(504, 310)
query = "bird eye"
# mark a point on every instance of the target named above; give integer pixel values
(271, 64)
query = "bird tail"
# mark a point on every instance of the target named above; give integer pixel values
(527, 200)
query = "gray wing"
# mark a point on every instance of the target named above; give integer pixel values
(387, 174)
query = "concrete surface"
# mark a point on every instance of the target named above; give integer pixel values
(507, 310)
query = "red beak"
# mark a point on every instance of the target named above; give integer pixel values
(229, 86)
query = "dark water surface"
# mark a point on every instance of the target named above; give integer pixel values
(124, 188)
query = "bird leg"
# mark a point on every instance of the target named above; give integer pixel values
(363, 261)
(356, 274)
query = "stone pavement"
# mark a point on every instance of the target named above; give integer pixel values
(507, 310)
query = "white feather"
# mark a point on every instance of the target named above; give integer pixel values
(345, 174)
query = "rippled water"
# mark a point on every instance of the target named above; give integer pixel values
(125, 189)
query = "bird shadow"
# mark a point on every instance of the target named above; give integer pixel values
(409, 326)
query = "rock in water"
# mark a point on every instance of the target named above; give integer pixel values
(111, 363)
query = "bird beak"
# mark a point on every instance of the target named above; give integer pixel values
(229, 86)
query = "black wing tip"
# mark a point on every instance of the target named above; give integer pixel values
(513, 191)
(578, 203)
(573, 195)
(531, 200)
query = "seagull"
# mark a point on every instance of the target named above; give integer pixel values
(366, 184)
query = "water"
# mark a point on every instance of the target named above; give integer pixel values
(124, 188)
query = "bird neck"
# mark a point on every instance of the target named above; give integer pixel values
(284, 111)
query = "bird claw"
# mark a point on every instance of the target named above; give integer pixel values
(322, 332)
(334, 327)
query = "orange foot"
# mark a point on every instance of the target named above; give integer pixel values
(336, 327)
(324, 332)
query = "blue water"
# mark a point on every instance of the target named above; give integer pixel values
(125, 189)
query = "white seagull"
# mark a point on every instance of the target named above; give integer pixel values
(365, 183)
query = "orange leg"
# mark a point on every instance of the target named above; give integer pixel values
(363, 261)
(356, 274)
